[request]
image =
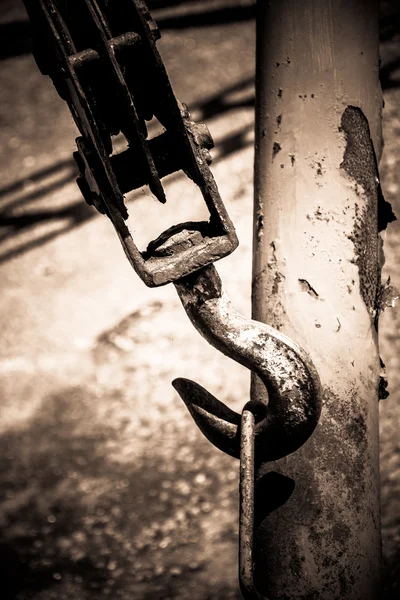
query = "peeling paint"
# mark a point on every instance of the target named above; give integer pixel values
(276, 148)
(277, 280)
(359, 163)
(306, 287)
(273, 246)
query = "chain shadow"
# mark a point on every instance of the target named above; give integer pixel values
(18, 195)
(208, 17)
(51, 179)
(76, 214)
(16, 36)
(228, 99)
(387, 72)
(39, 177)
(15, 39)
(389, 20)
(236, 96)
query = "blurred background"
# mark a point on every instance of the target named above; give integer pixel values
(107, 488)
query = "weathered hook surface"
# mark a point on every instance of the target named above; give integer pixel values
(293, 385)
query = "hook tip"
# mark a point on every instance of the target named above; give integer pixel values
(216, 420)
(186, 389)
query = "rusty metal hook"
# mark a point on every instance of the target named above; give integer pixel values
(293, 385)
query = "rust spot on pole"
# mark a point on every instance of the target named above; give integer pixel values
(276, 148)
(359, 162)
(306, 287)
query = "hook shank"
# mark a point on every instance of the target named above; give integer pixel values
(287, 372)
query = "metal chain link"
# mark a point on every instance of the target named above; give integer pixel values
(246, 510)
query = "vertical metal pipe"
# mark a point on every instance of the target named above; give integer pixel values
(316, 277)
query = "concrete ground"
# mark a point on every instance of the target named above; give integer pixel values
(106, 485)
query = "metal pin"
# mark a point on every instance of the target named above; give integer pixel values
(246, 510)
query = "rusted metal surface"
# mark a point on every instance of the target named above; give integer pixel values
(103, 61)
(316, 265)
(286, 371)
(265, 431)
(246, 509)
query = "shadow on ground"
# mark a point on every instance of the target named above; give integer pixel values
(16, 219)
(74, 519)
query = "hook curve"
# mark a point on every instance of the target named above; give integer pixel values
(286, 370)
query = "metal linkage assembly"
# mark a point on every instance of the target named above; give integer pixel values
(102, 58)
(263, 432)
(103, 61)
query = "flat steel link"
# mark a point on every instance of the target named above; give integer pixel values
(246, 509)
(103, 61)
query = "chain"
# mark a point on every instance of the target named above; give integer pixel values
(103, 61)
